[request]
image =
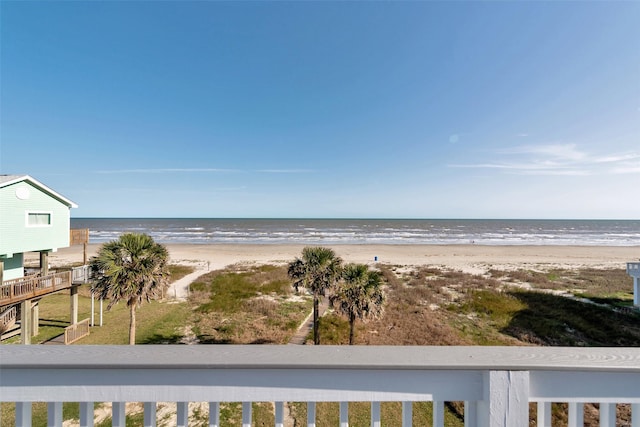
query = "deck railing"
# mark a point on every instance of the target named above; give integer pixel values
(496, 384)
(73, 333)
(16, 290)
(81, 275)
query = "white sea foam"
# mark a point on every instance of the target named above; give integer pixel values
(324, 231)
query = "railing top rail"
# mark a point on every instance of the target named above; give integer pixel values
(321, 357)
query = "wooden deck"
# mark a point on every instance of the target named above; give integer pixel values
(26, 288)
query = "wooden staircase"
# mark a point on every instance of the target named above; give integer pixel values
(8, 318)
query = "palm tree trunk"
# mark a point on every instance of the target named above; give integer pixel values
(352, 323)
(316, 332)
(132, 324)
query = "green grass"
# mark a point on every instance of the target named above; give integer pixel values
(157, 322)
(229, 291)
(178, 271)
(497, 307)
(334, 330)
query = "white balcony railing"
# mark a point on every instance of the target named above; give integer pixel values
(496, 383)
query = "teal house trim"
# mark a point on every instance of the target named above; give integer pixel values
(33, 218)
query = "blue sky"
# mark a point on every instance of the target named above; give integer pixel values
(325, 109)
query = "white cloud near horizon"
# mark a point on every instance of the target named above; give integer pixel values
(560, 159)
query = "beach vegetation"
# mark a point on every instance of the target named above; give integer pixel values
(245, 304)
(132, 269)
(358, 295)
(317, 271)
(178, 271)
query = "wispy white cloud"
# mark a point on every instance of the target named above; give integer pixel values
(199, 170)
(560, 159)
(285, 171)
(166, 170)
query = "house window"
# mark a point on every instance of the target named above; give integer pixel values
(38, 219)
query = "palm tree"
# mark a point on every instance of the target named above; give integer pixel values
(317, 270)
(359, 296)
(132, 268)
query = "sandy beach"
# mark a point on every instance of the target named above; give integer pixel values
(468, 258)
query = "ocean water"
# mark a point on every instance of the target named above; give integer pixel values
(368, 231)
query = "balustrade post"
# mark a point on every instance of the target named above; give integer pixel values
(279, 414)
(311, 414)
(246, 414)
(470, 413)
(118, 414)
(576, 414)
(635, 415)
(375, 414)
(214, 414)
(344, 414)
(438, 414)
(505, 399)
(544, 414)
(23, 413)
(607, 415)
(407, 414)
(149, 418)
(54, 414)
(182, 414)
(86, 414)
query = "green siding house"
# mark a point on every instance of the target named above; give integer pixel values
(33, 218)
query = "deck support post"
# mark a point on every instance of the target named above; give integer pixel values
(74, 304)
(505, 399)
(25, 322)
(44, 263)
(35, 319)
